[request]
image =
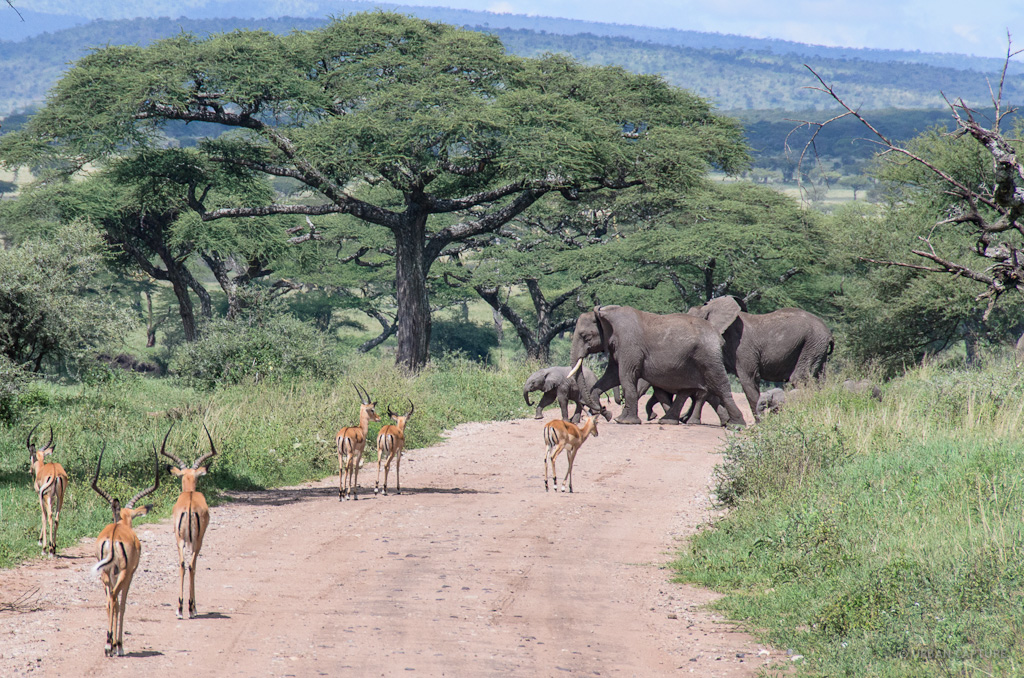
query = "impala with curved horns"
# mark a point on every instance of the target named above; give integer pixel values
(190, 517)
(117, 552)
(564, 435)
(391, 443)
(50, 482)
(351, 441)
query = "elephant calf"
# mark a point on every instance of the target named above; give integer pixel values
(552, 381)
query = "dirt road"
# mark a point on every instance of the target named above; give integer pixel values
(472, 571)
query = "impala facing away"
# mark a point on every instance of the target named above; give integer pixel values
(563, 435)
(391, 442)
(50, 482)
(190, 518)
(351, 442)
(117, 553)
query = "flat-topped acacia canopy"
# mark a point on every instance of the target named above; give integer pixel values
(464, 136)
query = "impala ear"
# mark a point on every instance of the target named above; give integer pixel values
(174, 470)
(201, 471)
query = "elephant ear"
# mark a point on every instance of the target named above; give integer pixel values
(722, 312)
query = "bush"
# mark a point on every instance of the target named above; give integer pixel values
(251, 349)
(12, 382)
(474, 341)
(776, 456)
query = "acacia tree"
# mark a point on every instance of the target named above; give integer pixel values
(461, 136)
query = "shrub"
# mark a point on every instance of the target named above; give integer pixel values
(250, 349)
(776, 456)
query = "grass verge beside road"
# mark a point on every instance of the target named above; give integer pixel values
(879, 538)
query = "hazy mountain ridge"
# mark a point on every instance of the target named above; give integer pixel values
(60, 10)
(735, 79)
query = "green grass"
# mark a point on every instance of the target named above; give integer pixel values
(880, 539)
(268, 435)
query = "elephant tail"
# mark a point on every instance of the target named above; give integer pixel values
(831, 346)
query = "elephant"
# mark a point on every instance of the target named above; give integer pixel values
(787, 345)
(672, 352)
(863, 386)
(771, 400)
(552, 381)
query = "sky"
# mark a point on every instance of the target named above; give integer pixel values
(925, 25)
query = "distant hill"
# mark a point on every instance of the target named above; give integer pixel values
(57, 14)
(735, 78)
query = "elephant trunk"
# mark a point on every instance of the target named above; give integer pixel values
(526, 396)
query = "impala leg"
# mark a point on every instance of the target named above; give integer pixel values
(554, 473)
(380, 460)
(547, 458)
(571, 455)
(108, 590)
(398, 477)
(124, 581)
(193, 611)
(341, 475)
(181, 575)
(42, 517)
(59, 502)
(387, 469)
(355, 461)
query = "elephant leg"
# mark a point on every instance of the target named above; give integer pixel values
(578, 414)
(548, 398)
(674, 407)
(692, 416)
(717, 382)
(750, 383)
(630, 397)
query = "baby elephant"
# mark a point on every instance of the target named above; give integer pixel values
(863, 386)
(552, 381)
(772, 400)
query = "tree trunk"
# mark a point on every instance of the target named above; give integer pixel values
(499, 325)
(227, 284)
(411, 290)
(188, 316)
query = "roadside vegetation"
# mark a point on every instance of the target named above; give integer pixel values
(879, 538)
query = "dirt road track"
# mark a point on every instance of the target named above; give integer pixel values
(472, 571)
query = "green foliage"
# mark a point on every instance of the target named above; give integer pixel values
(902, 558)
(469, 339)
(259, 344)
(774, 460)
(51, 313)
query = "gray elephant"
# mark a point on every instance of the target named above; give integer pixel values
(672, 353)
(552, 381)
(788, 345)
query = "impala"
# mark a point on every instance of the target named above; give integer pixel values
(351, 442)
(50, 482)
(563, 435)
(391, 443)
(190, 517)
(117, 552)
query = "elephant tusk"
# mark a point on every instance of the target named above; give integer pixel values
(575, 369)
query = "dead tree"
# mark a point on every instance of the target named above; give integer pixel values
(992, 212)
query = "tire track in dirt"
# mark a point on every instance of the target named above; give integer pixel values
(473, 570)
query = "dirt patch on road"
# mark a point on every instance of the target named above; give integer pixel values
(473, 570)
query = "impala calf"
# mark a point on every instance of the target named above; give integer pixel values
(50, 482)
(351, 441)
(190, 517)
(391, 443)
(117, 553)
(563, 435)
